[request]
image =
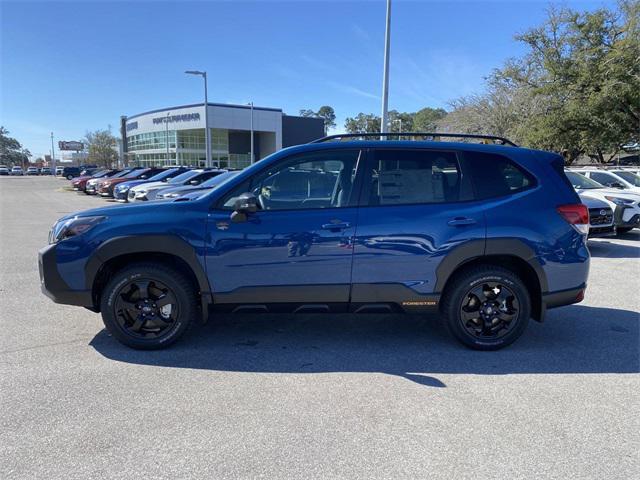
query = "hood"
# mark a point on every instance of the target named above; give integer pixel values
(610, 192)
(118, 210)
(593, 202)
(132, 183)
(149, 185)
(183, 189)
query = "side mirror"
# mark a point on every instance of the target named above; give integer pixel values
(246, 204)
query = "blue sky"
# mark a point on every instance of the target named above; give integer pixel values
(69, 67)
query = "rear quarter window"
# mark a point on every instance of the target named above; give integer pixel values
(495, 175)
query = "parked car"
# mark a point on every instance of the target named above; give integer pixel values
(175, 192)
(609, 179)
(625, 205)
(106, 187)
(487, 235)
(17, 171)
(59, 171)
(80, 183)
(600, 217)
(121, 192)
(91, 188)
(148, 191)
(45, 171)
(70, 172)
(4, 170)
(32, 171)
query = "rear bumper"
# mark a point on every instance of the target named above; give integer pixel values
(54, 286)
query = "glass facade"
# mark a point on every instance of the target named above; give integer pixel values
(186, 147)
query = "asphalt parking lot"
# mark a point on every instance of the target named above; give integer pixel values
(312, 396)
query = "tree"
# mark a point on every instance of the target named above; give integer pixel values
(11, 151)
(575, 91)
(102, 147)
(400, 122)
(363, 123)
(426, 120)
(325, 112)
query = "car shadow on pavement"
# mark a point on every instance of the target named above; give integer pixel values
(575, 339)
(606, 249)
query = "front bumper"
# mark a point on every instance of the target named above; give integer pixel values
(121, 195)
(596, 232)
(620, 213)
(54, 286)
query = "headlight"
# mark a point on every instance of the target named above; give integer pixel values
(72, 227)
(122, 188)
(620, 201)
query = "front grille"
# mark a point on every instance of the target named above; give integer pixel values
(600, 216)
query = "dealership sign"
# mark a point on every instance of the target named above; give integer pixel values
(185, 117)
(75, 146)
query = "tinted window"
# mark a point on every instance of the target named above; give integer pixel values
(495, 175)
(604, 178)
(415, 176)
(630, 177)
(314, 180)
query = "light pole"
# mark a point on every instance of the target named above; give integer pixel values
(251, 160)
(384, 128)
(53, 157)
(206, 113)
(398, 120)
(166, 137)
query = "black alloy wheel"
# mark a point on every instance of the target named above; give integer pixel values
(486, 307)
(489, 310)
(148, 306)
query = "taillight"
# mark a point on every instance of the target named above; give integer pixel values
(576, 215)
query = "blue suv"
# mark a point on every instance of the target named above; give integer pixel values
(487, 235)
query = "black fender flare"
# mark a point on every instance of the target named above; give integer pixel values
(165, 244)
(477, 249)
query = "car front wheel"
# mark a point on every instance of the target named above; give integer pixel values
(487, 307)
(148, 306)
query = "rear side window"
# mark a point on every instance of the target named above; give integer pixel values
(405, 177)
(495, 175)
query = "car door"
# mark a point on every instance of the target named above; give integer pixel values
(419, 210)
(296, 250)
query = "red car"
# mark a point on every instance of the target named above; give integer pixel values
(105, 187)
(79, 183)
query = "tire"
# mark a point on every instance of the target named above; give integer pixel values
(477, 287)
(69, 177)
(123, 301)
(623, 230)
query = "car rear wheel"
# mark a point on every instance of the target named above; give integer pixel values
(69, 177)
(148, 306)
(487, 307)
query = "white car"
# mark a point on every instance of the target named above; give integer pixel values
(609, 178)
(148, 191)
(4, 170)
(600, 216)
(17, 171)
(625, 204)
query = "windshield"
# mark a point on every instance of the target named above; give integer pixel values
(219, 179)
(581, 182)
(185, 176)
(135, 173)
(158, 177)
(630, 177)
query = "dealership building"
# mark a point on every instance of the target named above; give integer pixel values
(176, 135)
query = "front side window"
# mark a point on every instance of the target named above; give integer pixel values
(404, 177)
(315, 180)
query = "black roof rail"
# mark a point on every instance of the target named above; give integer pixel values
(433, 135)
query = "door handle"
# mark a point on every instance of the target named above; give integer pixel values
(334, 227)
(461, 221)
